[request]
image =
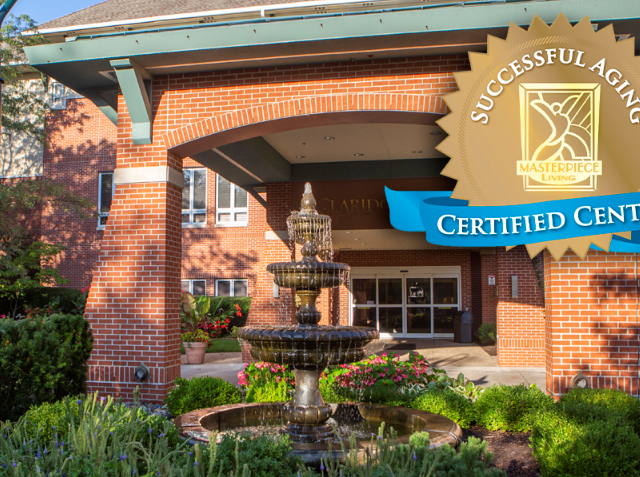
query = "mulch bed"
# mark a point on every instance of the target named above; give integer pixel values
(511, 451)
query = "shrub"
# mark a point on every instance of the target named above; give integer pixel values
(447, 403)
(228, 304)
(266, 456)
(42, 360)
(487, 333)
(48, 419)
(268, 392)
(510, 408)
(197, 393)
(593, 448)
(41, 298)
(583, 405)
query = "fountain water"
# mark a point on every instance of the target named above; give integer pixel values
(309, 348)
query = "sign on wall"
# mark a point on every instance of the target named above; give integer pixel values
(543, 135)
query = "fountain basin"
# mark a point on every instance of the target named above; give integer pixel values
(309, 274)
(312, 346)
(362, 418)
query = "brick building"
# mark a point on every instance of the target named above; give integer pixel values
(199, 124)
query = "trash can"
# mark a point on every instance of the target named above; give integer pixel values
(462, 322)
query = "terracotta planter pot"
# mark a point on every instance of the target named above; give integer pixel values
(195, 352)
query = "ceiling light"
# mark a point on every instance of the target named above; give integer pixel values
(358, 154)
(300, 157)
(329, 138)
(436, 133)
(417, 152)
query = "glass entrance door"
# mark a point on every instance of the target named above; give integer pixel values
(406, 304)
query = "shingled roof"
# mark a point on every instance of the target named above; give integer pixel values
(122, 10)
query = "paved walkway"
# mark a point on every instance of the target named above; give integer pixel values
(469, 359)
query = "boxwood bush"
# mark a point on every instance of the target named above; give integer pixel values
(567, 447)
(583, 405)
(510, 408)
(448, 403)
(42, 360)
(198, 393)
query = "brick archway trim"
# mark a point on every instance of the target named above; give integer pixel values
(303, 113)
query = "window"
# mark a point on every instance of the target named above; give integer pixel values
(194, 197)
(231, 204)
(105, 196)
(231, 288)
(195, 287)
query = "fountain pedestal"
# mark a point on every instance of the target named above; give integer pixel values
(307, 347)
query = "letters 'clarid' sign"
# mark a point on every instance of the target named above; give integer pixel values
(544, 134)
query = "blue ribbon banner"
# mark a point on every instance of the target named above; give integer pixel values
(452, 222)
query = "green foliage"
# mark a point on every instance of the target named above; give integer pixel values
(268, 392)
(197, 393)
(487, 333)
(197, 336)
(440, 381)
(510, 408)
(194, 310)
(266, 456)
(234, 331)
(42, 360)
(583, 405)
(223, 346)
(413, 460)
(567, 447)
(448, 403)
(42, 297)
(48, 419)
(229, 309)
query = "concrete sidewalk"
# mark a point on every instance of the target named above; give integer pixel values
(455, 358)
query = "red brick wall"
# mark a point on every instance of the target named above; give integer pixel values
(520, 320)
(592, 320)
(489, 292)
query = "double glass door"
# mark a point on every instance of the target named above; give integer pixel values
(405, 304)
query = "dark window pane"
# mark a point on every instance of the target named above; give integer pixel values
(390, 320)
(390, 291)
(185, 286)
(418, 320)
(364, 291)
(364, 317)
(103, 220)
(186, 192)
(200, 189)
(224, 193)
(443, 319)
(106, 192)
(418, 291)
(445, 291)
(185, 218)
(240, 288)
(199, 287)
(241, 197)
(224, 288)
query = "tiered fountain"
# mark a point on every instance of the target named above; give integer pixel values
(309, 348)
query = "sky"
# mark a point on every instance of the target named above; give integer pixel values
(44, 10)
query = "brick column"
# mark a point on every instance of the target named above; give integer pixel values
(520, 319)
(134, 302)
(592, 320)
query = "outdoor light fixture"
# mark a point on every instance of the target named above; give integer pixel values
(142, 374)
(579, 381)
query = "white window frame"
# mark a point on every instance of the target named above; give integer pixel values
(191, 211)
(113, 191)
(233, 210)
(232, 287)
(191, 280)
(406, 273)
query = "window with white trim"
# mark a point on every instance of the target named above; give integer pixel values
(195, 287)
(232, 287)
(194, 197)
(106, 190)
(231, 204)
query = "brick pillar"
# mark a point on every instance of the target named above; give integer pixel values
(592, 320)
(134, 302)
(520, 319)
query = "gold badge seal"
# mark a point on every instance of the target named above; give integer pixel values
(550, 113)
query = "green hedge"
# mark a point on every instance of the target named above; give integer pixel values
(510, 408)
(42, 360)
(199, 393)
(447, 403)
(40, 298)
(584, 405)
